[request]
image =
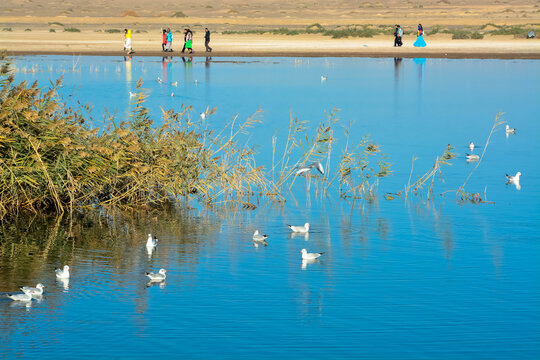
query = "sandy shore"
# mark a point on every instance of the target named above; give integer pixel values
(41, 27)
(440, 45)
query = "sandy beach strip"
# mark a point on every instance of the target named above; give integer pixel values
(242, 45)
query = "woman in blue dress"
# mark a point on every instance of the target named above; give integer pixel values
(420, 38)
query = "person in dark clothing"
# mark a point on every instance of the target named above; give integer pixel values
(185, 40)
(396, 40)
(207, 40)
(398, 36)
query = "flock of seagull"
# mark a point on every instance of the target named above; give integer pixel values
(175, 84)
(28, 292)
(514, 180)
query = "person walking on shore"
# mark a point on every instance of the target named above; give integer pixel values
(185, 39)
(420, 38)
(207, 40)
(189, 41)
(127, 41)
(396, 39)
(164, 40)
(399, 35)
(169, 40)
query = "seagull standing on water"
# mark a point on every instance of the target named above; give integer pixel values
(510, 130)
(299, 229)
(310, 256)
(160, 276)
(33, 291)
(471, 146)
(62, 273)
(305, 168)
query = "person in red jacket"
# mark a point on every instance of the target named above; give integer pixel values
(164, 40)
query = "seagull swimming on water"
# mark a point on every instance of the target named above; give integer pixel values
(20, 297)
(203, 115)
(310, 256)
(258, 237)
(300, 229)
(471, 146)
(62, 273)
(160, 276)
(151, 242)
(33, 291)
(323, 78)
(305, 168)
(174, 83)
(159, 80)
(472, 157)
(510, 130)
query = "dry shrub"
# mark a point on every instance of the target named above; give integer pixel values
(130, 13)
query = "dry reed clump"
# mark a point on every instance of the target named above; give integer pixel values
(51, 159)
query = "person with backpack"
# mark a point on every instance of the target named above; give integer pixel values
(399, 35)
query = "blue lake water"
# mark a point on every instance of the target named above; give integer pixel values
(416, 279)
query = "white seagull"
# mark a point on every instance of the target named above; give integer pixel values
(151, 242)
(323, 78)
(132, 94)
(300, 229)
(174, 83)
(62, 273)
(510, 130)
(472, 157)
(305, 168)
(33, 291)
(259, 238)
(172, 94)
(513, 179)
(471, 146)
(196, 82)
(310, 256)
(203, 115)
(160, 276)
(159, 80)
(20, 297)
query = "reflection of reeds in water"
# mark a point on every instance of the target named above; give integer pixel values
(428, 178)
(417, 187)
(52, 160)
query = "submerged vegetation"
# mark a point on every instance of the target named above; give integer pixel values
(53, 159)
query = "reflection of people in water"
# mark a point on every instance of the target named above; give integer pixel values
(127, 61)
(397, 63)
(166, 64)
(420, 38)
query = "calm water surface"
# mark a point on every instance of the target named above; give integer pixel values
(398, 279)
